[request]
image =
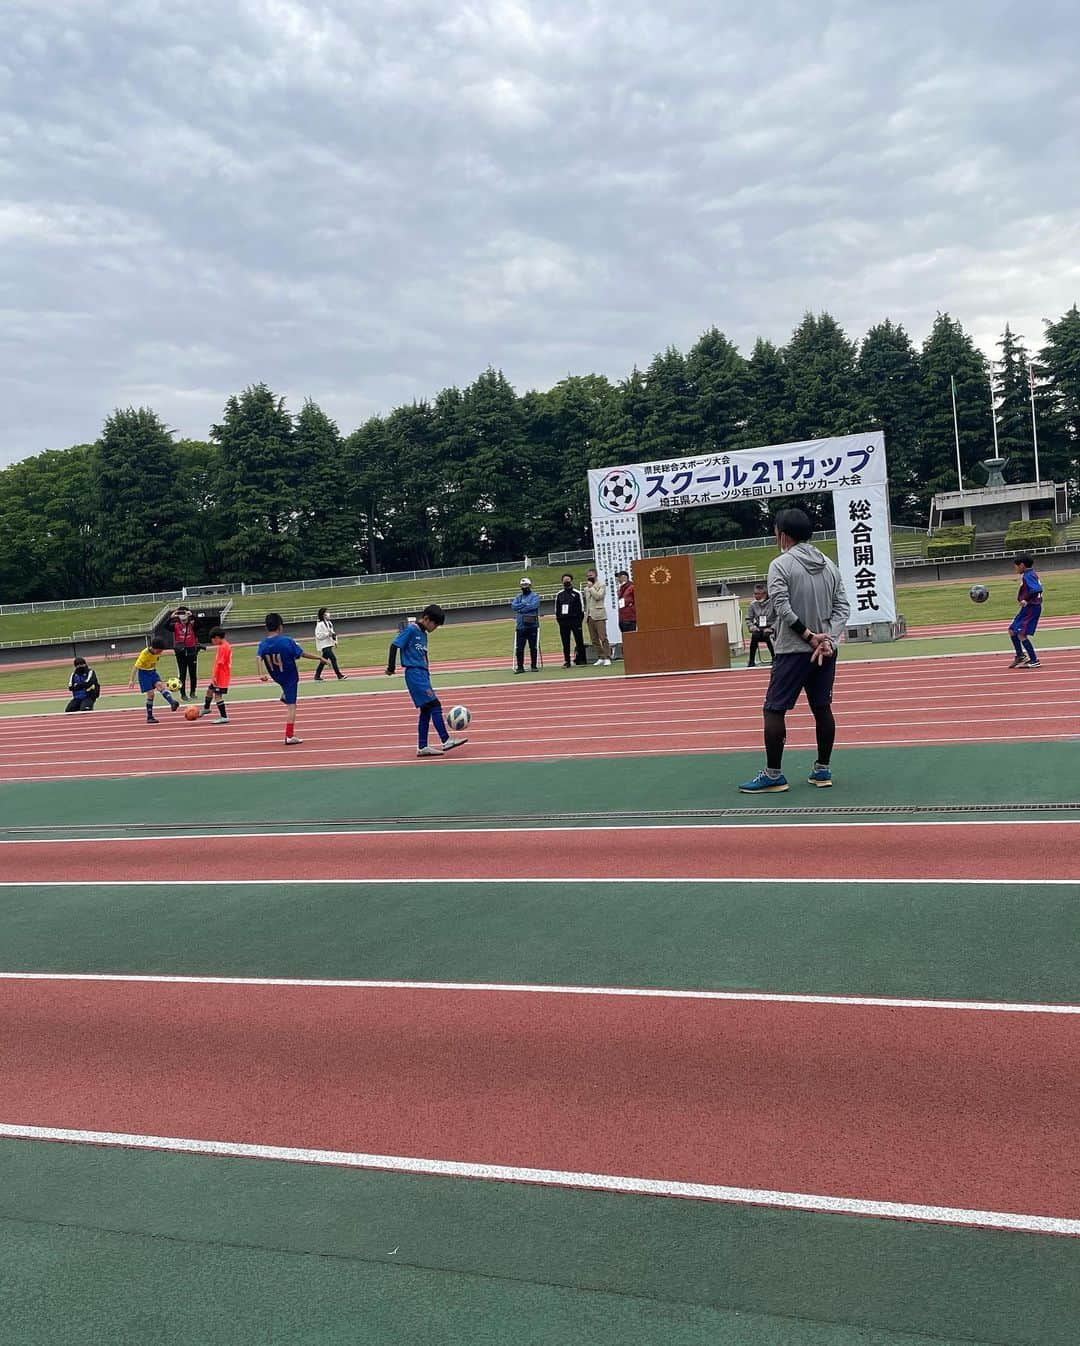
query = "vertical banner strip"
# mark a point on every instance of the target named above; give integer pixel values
(617, 542)
(864, 553)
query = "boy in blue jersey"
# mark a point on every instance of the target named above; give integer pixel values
(1030, 598)
(412, 645)
(276, 658)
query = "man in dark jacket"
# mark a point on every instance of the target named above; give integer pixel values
(570, 616)
(759, 620)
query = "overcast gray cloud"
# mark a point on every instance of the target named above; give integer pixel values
(364, 202)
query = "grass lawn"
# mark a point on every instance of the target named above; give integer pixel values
(942, 603)
(61, 625)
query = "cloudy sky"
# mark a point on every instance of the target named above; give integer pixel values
(363, 201)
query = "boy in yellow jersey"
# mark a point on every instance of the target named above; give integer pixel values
(145, 668)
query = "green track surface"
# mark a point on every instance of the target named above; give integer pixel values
(117, 1247)
(983, 774)
(996, 942)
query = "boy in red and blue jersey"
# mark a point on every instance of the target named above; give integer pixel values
(411, 644)
(277, 655)
(1030, 598)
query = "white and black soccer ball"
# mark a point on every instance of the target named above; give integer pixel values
(459, 718)
(619, 491)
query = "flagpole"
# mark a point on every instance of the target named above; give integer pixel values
(956, 432)
(1034, 427)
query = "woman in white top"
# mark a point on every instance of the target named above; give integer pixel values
(325, 641)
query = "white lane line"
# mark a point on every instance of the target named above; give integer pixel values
(269, 875)
(604, 1182)
(409, 826)
(522, 988)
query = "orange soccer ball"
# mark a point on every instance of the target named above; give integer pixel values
(192, 713)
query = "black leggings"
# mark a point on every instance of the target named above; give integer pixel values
(329, 654)
(776, 734)
(187, 661)
(756, 637)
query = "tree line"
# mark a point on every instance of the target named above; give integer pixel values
(483, 473)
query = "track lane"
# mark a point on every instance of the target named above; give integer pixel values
(1003, 851)
(915, 1105)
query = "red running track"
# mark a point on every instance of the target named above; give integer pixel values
(885, 703)
(1039, 851)
(959, 1108)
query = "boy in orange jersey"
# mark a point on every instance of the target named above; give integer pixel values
(220, 677)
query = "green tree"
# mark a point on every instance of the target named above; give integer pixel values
(142, 525)
(198, 480)
(948, 352)
(888, 381)
(1057, 398)
(46, 527)
(1013, 407)
(263, 494)
(329, 530)
(822, 386)
(768, 397)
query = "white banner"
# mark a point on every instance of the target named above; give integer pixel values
(805, 468)
(617, 542)
(864, 553)
(851, 468)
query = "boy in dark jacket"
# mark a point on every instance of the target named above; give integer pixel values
(570, 616)
(83, 686)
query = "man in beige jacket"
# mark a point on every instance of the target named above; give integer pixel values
(592, 591)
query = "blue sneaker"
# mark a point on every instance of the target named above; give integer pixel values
(762, 784)
(821, 776)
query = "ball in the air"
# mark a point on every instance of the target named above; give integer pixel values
(979, 593)
(459, 717)
(173, 684)
(192, 713)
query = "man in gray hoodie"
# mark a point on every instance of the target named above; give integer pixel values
(810, 613)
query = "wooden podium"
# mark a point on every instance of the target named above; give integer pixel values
(669, 638)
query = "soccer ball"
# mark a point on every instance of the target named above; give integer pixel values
(459, 718)
(619, 491)
(978, 593)
(192, 713)
(173, 684)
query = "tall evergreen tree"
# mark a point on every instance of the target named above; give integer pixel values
(949, 352)
(768, 397)
(1013, 407)
(143, 527)
(820, 362)
(329, 532)
(1057, 399)
(46, 527)
(263, 492)
(888, 377)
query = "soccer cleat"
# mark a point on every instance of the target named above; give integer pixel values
(290, 741)
(150, 720)
(1030, 663)
(821, 776)
(566, 664)
(175, 705)
(452, 743)
(220, 720)
(1019, 661)
(429, 752)
(519, 670)
(762, 784)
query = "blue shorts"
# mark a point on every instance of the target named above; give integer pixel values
(1026, 620)
(148, 679)
(418, 681)
(289, 690)
(794, 673)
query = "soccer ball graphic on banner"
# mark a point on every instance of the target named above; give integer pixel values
(619, 491)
